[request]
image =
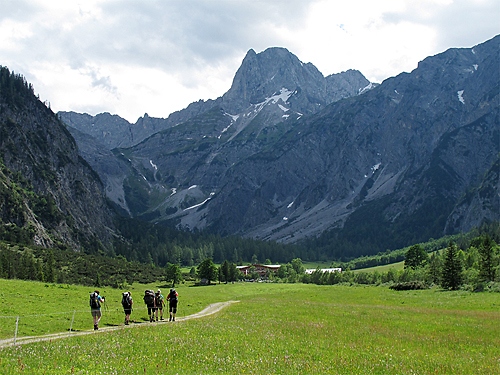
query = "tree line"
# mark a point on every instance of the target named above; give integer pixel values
(62, 266)
(160, 244)
(476, 268)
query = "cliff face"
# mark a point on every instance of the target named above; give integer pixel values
(57, 197)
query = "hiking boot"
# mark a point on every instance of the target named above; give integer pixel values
(161, 318)
(96, 327)
(156, 319)
(170, 319)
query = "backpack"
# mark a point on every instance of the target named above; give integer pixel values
(159, 300)
(94, 301)
(172, 296)
(149, 297)
(126, 301)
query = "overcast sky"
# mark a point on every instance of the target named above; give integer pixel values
(130, 57)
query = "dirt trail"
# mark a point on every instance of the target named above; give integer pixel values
(209, 310)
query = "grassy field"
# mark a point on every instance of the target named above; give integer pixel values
(274, 329)
(386, 267)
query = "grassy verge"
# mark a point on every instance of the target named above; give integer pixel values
(282, 329)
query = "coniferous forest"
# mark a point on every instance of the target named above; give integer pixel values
(470, 260)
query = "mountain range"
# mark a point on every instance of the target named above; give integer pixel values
(289, 155)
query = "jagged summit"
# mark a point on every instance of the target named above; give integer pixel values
(261, 76)
(276, 68)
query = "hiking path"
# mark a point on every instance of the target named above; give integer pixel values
(209, 310)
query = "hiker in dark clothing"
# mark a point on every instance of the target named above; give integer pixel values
(160, 302)
(95, 308)
(149, 300)
(172, 299)
(127, 303)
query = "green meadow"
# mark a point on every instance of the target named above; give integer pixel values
(384, 268)
(273, 329)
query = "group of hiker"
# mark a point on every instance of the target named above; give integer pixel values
(155, 303)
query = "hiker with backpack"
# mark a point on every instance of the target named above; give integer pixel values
(172, 299)
(160, 302)
(149, 300)
(95, 308)
(127, 306)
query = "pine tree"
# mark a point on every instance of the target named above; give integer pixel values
(233, 272)
(487, 261)
(39, 271)
(50, 272)
(434, 270)
(452, 268)
(224, 269)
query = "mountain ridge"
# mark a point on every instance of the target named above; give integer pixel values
(276, 160)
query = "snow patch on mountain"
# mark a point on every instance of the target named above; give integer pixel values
(284, 109)
(283, 95)
(202, 203)
(233, 117)
(460, 94)
(366, 88)
(225, 130)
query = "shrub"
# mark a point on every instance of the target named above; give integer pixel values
(409, 285)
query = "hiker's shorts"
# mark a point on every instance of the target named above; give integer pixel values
(173, 307)
(151, 309)
(96, 313)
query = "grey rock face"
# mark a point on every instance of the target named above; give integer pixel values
(270, 88)
(35, 144)
(276, 71)
(112, 131)
(410, 147)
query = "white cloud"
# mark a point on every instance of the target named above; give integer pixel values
(131, 57)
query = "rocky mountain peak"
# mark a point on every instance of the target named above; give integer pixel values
(264, 74)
